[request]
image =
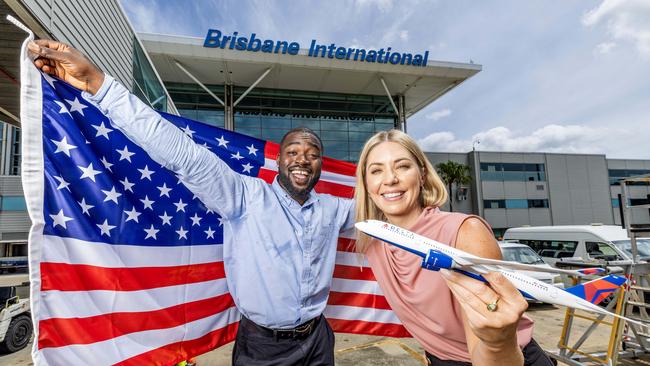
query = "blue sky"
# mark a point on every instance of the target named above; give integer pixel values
(558, 75)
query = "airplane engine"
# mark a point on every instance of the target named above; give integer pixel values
(436, 260)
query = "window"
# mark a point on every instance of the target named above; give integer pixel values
(519, 172)
(597, 250)
(12, 203)
(538, 203)
(494, 203)
(552, 248)
(516, 203)
(615, 202)
(617, 174)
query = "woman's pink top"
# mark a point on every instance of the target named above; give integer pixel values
(421, 298)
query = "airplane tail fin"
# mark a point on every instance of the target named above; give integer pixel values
(597, 290)
(591, 271)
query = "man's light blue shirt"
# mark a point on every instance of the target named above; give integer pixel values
(278, 255)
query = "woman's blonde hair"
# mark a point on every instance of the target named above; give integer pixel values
(433, 192)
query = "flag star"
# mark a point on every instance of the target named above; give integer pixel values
(111, 195)
(125, 154)
(63, 146)
(106, 164)
(247, 167)
(151, 232)
(132, 215)
(146, 173)
(181, 233)
(50, 80)
(105, 228)
(87, 142)
(60, 219)
(222, 141)
(210, 233)
(188, 131)
(208, 211)
(220, 221)
(128, 186)
(180, 206)
(252, 150)
(102, 130)
(63, 109)
(166, 219)
(148, 204)
(62, 183)
(236, 156)
(206, 146)
(89, 172)
(76, 105)
(196, 220)
(164, 191)
(84, 206)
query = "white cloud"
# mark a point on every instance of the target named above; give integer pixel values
(550, 138)
(436, 115)
(605, 47)
(383, 5)
(404, 35)
(627, 20)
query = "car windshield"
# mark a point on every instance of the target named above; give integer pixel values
(522, 255)
(643, 245)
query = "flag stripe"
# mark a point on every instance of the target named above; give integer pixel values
(362, 287)
(352, 259)
(81, 277)
(272, 149)
(353, 273)
(127, 346)
(371, 328)
(57, 332)
(55, 304)
(359, 300)
(346, 245)
(75, 251)
(358, 313)
(184, 350)
(326, 175)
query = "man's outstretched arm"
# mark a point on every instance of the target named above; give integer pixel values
(203, 173)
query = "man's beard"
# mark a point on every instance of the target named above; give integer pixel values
(297, 193)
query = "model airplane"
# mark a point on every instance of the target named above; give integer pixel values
(435, 256)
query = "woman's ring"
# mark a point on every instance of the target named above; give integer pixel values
(493, 305)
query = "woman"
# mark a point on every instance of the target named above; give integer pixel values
(457, 320)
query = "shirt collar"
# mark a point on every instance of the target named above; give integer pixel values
(288, 200)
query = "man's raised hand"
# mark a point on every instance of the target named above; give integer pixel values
(66, 63)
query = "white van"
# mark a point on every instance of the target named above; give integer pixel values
(588, 243)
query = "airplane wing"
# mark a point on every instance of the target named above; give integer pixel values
(526, 267)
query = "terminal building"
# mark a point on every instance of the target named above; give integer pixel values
(228, 79)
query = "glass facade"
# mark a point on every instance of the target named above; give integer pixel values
(617, 174)
(520, 172)
(145, 83)
(516, 203)
(12, 203)
(343, 122)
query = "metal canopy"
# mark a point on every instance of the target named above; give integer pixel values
(419, 85)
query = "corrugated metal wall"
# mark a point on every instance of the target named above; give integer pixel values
(14, 225)
(97, 28)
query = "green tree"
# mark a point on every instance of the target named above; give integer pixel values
(453, 173)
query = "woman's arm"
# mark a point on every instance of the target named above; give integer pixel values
(491, 335)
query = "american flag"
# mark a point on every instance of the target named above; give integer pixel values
(125, 262)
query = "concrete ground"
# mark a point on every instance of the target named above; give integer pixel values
(356, 350)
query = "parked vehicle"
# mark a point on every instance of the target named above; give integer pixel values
(15, 321)
(517, 252)
(589, 243)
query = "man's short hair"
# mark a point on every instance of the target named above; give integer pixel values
(304, 130)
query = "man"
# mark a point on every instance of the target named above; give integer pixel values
(280, 239)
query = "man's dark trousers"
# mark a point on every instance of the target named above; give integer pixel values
(258, 346)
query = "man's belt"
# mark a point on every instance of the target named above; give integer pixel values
(300, 332)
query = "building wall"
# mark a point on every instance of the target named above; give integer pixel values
(577, 186)
(635, 191)
(14, 224)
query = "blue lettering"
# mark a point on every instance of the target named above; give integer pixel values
(254, 44)
(283, 44)
(267, 46)
(212, 39)
(395, 60)
(340, 53)
(406, 56)
(241, 43)
(232, 41)
(293, 49)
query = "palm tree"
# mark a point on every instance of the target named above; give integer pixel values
(452, 173)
